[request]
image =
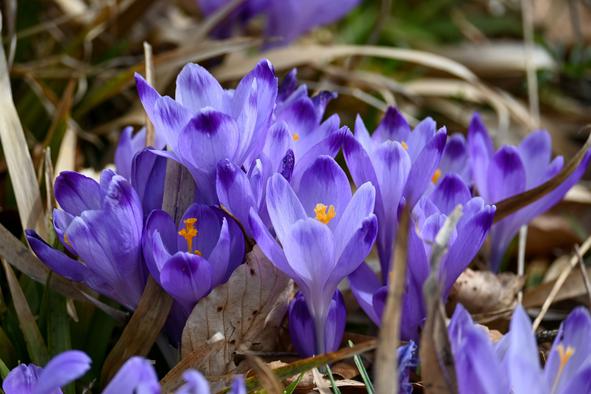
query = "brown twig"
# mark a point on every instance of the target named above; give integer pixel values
(584, 273)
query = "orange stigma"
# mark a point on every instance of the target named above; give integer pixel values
(67, 240)
(404, 145)
(188, 233)
(295, 137)
(436, 176)
(324, 213)
(564, 354)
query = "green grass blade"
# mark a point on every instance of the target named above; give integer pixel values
(363, 372)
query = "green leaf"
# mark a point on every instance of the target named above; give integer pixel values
(363, 372)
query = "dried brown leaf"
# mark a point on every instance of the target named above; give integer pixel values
(481, 292)
(18, 158)
(247, 310)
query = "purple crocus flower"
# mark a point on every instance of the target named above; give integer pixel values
(512, 170)
(325, 233)
(399, 163)
(206, 124)
(199, 255)
(296, 138)
(301, 325)
(428, 217)
(285, 19)
(513, 364)
(59, 371)
(101, 226)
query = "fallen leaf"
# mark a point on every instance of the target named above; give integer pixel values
(247, 311)
(483, 292)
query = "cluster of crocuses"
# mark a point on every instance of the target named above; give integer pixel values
(137, 375)
(265, 153)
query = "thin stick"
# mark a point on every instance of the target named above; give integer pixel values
(521, 258)
(532, 80)
(150, 133)
(584, 273)
(560, 281)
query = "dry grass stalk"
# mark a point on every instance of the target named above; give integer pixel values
(385, 371)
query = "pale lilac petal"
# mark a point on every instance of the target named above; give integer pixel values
(235, 192)
(324, 182)
(61, 370)
(455, 158)
(195, 383)
(227, 254)
(424, 167)
(364, 283)
(159, 241)
(22, 379)
(137, 375)
(208, 226)
(196, 88)
(283, 205)
(536, 151)
(420, 137)
(359, 208)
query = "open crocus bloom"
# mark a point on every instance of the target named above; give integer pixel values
(101, 225)
(513, 364)
(191, 259)
(324, 231)
(512, 170)
(206, 124)
(59, 371)
(399, 163)
(428, 217)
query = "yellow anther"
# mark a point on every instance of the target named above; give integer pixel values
(404, 145)
(436, 176)
(323, 213)
(67, 240)
(188, 233)
(295, 137)
(564, 354)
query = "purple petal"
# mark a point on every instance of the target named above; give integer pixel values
(159, 241)
(301, 327)
(137, 375)
(61, 370)
(147, 178)
(54, 259)
(268, 245)
(309, 249)
(580, 382)
(522, 364)
(575, 332)
(359, 208)
(76, 193)
(450, 192)
(356, 249)
(424, 167)
(392, 127)
(480, 148)
(364, 283)
(186, 277)
(234, 192)
(335, 323)
(455, 158)
(470, 237)
(21, 379)
(208, 226)
(321, 101)
(324, 182)
(227, 254)
(196, 88)
(238, 385)
(506, 175)
(535, 152)
(283, 205)
(195, 383)
(126, 149)
(61, 222)
(420, 137)
(208, 138)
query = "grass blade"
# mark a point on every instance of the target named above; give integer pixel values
(363, 372)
